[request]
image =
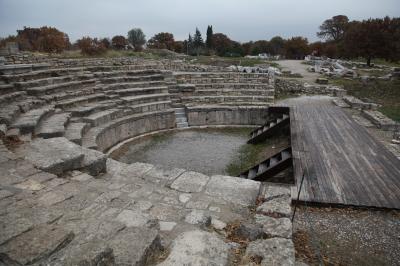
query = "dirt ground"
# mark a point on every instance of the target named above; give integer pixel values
(296, 66)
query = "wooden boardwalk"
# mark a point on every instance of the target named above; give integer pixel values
(342, 162)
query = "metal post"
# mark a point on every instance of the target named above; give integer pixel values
(298, 196)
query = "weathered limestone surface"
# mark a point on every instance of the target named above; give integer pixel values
(379, 120)
(190, 182)
(274, 251)
(197, 248)
(237, 190)
(55, 155)
(58, 155)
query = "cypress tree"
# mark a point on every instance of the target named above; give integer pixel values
(209, 40)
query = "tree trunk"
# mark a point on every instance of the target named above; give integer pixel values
(368, 61)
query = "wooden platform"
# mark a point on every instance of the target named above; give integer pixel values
(342, 162)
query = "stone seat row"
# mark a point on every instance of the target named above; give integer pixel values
(85, 103)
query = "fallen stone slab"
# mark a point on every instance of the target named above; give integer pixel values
(94, 162)
(274, 251)
(55, 155)
(36, 244)
(190, 182)
(129, 246)
(197, 248)
(232, 189)
(11, 230)
(380, 120)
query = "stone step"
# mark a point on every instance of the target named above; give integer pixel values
(150, 107)
(115, 70)
(11, 97)
(140, 91)
(53, 126)
(27, 122)
(180, 115)
(136, 100)
(52, 80)
(211, 75)
(75, 131)
(127, 79)
(89, 108)
(40, 74)
(217, 81)
(234, 86)
(234, 92)
(182, 125)
(21, 68)
(181, 120)
(105, 116)
(65, 95)
(10, 112)
(6, 88)
(229, 99)
(36, 91)
(128, 85)
(77, 101)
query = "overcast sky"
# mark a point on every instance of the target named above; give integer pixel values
(241, 20)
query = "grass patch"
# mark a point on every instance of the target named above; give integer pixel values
(378, 61)
(250, 155)
(386, 93)
(392, 112)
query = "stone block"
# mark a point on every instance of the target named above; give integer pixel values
(190, 182)
(198, 248)
(232, 189)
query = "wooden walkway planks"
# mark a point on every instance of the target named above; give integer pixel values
(343, 163)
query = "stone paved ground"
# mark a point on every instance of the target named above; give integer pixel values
(137, 214)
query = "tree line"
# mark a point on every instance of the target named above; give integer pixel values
(341, 38)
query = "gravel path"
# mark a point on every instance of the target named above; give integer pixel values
(351, 237)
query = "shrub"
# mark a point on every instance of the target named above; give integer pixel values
(44, 39)
(119, 42)
(91, 46)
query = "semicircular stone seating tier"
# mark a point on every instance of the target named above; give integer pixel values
(64, 202)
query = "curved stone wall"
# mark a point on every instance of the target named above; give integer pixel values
(130, 127)
(226, 115)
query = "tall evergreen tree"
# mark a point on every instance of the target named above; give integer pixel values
(198, 43)
(189, 44)
(197, 39)
(209, 40)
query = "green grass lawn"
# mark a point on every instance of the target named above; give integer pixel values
(386, 93)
